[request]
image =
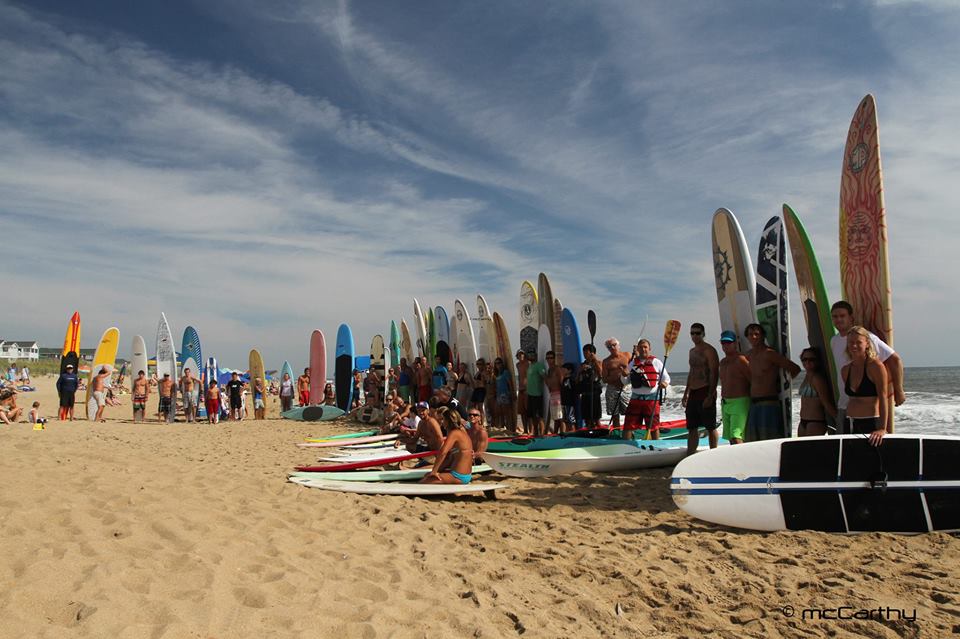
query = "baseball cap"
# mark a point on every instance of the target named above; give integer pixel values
(728, 336)
(422, 405)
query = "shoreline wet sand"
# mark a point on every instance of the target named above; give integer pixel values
(190, 530)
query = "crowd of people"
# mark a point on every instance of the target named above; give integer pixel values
(550, 397)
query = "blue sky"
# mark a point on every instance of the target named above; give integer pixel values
(259, 170)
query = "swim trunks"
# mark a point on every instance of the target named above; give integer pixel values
(189, 400)
(101, 398)
(700, 416)
(67, 399)
(765, 420)
(534, 406)
(617, 400)
(734, 412)
(462, 478)
(642, 413)
(556, 409)
(213, 407)
(165, 404)
(140, 403)
(304, 397)
(258, 403)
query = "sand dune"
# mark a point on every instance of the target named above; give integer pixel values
(124, 530)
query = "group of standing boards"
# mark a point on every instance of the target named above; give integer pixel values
(852, 372)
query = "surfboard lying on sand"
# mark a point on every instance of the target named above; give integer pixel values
(318, 413)
(412, 474)
(353, 465)
(363, 433)
(340, 443)
(625, 455)
(909, 484)
(402, 488)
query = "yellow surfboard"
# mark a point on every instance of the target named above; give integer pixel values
(104, 356)
(257, 372)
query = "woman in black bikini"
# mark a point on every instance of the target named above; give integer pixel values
(867, 410)
(816, 396)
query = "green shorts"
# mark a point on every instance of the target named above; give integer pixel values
(734, 413)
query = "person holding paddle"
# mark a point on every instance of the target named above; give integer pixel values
(647, 378)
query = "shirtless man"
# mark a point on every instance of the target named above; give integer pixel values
(303, 387)
(617, 396)
(428, 431)
(700, 396)
(735, 389)
(422, 376)
(141, 392)
(212, 401)
(552, 383)
(187, 385)
(522, 364)
(166, 410)
(98, 388)
(766, 417)
(842, 315)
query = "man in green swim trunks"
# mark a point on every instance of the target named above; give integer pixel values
(766, 416)
(735, 389)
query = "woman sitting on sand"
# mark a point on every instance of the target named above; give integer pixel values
(455, 454)
(816, 396)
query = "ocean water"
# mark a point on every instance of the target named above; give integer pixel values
(932, 406)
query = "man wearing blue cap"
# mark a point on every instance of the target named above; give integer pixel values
(734, 389)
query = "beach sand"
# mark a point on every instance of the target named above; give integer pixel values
(127, 530)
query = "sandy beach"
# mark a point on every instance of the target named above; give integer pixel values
(129, 530)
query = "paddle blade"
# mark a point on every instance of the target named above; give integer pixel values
(592, 324)
(670, 335)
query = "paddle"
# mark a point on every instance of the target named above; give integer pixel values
(670, 335)
(592, 324)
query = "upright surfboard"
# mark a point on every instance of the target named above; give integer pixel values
(544, 344)
(442, 323)
(378, 359)
(395, 340)
(910, 484)
(257, 371)
(733, 274)
(71, 345)
(191, 356)
(557, 331)
(466, 342)
(431, 337)
(572, 342)
(343, 368)
(813, 293)
(420, 324)
(138, 358)
(864, 264)
(167, 361)
(529, 317)
(211, 373)
(318, 366)
(287, 369)
(545, 302)
(486, 333)
(105, 357)
(773, 313)
(505, 352)
(407, 348)
(454, 349)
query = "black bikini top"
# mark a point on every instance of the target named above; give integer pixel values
(866, 388)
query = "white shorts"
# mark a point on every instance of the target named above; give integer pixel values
(556, 410)
(101, 398)
(257, 404)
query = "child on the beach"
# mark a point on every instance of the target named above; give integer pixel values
(35, 417)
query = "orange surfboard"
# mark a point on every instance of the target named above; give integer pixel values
(864, 265)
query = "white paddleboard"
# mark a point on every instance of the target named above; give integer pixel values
(909, 484)
(403, 488)
(348, 443)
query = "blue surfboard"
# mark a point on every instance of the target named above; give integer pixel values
(343, 368)
(190, 349)
(572, 347)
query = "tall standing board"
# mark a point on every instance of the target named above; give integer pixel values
(318, 366)
(773, 312)
(104, 358)
(486, 333)
(344, 365)
(529, 317)
(733, 276)
(419, 320)
(864, 264)
(71, 345)
(191, 356)
(442, 323)
(813, 293)
(407, 348)
(505, 352)
(167, 361)
(466, 343)
(545, 303)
